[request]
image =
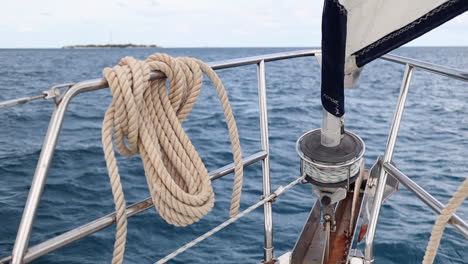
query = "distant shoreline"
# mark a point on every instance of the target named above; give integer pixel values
(208, 47)
(110, 46)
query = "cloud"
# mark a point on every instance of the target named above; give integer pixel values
(25, 29)
(177, 22)
(153, 2)
(122, 4)
(47, 14)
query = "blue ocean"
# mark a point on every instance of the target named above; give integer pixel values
(432, 149)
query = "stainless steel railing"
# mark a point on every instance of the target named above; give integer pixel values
(53, 132)
(424, 196)
(21, 253)
(388, 168)
(85, 230)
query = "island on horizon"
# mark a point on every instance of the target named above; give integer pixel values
(109, 46)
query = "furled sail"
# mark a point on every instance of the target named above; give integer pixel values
(355, 32)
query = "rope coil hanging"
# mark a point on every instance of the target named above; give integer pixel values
(146, 117)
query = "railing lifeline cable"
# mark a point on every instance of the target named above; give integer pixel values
(199, 239)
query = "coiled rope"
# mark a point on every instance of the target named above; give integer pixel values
(146, 117)
(460, 195)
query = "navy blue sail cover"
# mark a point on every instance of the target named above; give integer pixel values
(355, 32)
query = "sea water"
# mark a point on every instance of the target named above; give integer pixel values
(431, 149)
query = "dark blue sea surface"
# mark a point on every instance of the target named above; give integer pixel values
(432, 149)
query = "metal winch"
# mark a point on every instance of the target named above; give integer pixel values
(330, 170)
(330, 167)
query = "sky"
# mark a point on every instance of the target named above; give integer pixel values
(180, 23)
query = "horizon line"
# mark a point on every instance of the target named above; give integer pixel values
(221, 47)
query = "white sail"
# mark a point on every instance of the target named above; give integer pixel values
(369, 21)
(355, 32)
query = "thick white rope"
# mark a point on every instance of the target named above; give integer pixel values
(460, 195)
(199, 239)
(146, 117)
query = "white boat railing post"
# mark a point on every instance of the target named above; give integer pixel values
(268, 218)
(369, 248)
